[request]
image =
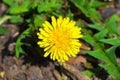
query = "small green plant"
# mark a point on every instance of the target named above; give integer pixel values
(37, 10)
(2, 20)
(108, 34)
(105, 40)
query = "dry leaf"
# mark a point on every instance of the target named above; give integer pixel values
(77, 60)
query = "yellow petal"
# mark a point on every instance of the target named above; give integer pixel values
(47, 53)
(48, 25)
(54, 22)
(59, 21)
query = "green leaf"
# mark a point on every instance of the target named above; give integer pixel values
(90, 12)
(70, 14)
(79, 2)
(88, 73)
(101, 34)
(112, 70)
(113, 41)
(18, 48)
(89, 39)
(111, 54)
(17, 9)
(99, 54)
(9, 2)
(16, 19)
(94, 15)
(96, 26)
(48, 6)
(97, 4)
(38, 20)
(34, 4)
(3, 31)
(111, 25)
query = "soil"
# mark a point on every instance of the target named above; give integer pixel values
(33, 67)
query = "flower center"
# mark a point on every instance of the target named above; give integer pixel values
(61, 38)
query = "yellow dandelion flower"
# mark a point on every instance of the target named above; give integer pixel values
(60, 39)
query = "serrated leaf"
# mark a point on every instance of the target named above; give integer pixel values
(18, 49)
(112, 70)
(3, 30)
(101, 34)
(99, 54)
(48, 6)
(23, 7)
(111, 25)
(113, 41)
(111, 54)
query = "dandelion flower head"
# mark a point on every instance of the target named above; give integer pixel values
(60, 39)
